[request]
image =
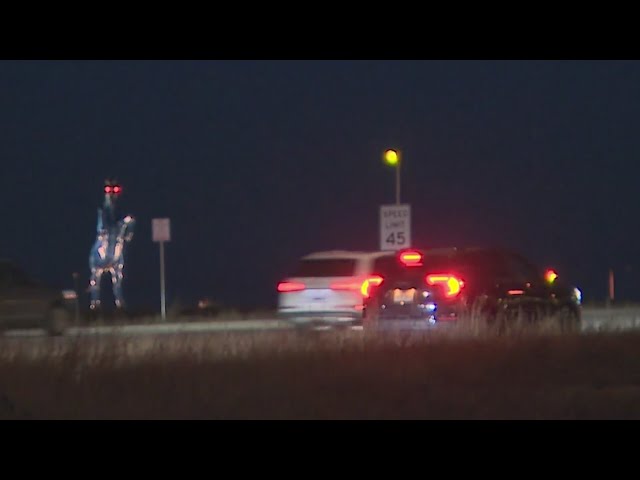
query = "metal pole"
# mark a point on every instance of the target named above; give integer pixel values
(163, 308)
(77, 303)
(398, 182)
(611, 286)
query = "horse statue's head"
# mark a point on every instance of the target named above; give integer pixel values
(107, 214)
(112, 190)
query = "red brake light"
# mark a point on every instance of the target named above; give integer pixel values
(372, 281)
(345, 286)
(411, 258)
(290, 286)
(451, 282)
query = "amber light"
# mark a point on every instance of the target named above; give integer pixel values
(451, 282)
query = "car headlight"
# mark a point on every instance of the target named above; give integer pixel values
(577, 296)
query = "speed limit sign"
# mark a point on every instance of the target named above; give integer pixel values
(395, 227)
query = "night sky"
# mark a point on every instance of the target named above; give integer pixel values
(257, 163)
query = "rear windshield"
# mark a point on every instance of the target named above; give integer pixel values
(389, 266)
(329, 267)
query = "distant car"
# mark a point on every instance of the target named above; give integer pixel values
(419, 289)
(25, 303)
(326, 288)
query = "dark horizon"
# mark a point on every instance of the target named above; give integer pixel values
(259, 162)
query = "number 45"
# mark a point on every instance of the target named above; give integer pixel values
(396, 238)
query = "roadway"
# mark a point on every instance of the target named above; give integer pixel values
(594, 320)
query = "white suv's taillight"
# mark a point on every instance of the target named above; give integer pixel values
(347, 285)
(290, 287)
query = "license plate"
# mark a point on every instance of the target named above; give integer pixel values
(316, 295)
(403, 296)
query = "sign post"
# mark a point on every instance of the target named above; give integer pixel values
(395, 227)
(77, 299)
(612, 288)
(161, 228)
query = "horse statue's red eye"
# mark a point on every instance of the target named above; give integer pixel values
(107, 189)
(117, 189)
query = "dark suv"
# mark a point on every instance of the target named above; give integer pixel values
(25, 303)
(423, 288)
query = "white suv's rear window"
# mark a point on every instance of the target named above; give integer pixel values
(329, 267)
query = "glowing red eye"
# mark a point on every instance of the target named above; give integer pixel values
(107, 189)
(117, 189)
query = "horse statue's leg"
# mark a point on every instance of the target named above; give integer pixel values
(94, 288)
(116, 278)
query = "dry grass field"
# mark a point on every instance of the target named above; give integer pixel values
(323, 375)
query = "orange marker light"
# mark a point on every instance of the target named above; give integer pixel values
(550, 276)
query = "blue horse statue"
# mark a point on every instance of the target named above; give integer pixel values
(107, 253)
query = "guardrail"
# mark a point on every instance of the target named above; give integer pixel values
(594, 319)
(610, 318)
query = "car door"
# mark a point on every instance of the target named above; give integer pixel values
(485, 273)
(529, 281)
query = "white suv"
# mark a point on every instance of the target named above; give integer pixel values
(328, 288)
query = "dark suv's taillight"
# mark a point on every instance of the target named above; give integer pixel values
(410, 258)
(369, 284)
(451, 284)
